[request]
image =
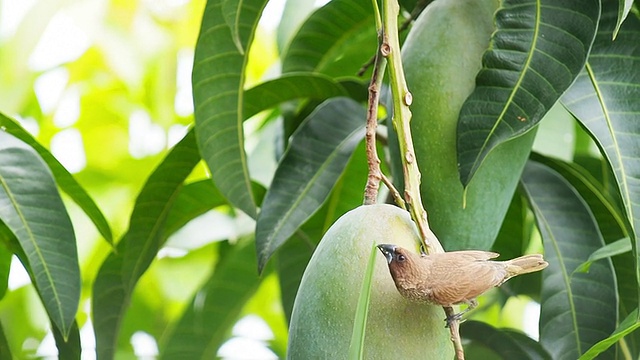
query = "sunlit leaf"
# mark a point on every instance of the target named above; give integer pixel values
(121, 270)
(238, 13)
(32, 209)
(568, 326)
(536, 53)
(318, 153)
(215, 308)
(64, 179)
(218, 80)
(333, 39)
(600, 100)
(508, 344)
(5, 351)
(628, 325)
(193, 200)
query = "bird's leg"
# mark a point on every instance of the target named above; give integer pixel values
(471, 304)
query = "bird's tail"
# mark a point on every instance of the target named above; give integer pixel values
(524, 265)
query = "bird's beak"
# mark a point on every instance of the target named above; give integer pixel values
(387, 250)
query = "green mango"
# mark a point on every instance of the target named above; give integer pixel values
(442, 56)
(324, 309)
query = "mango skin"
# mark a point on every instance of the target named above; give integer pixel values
(324, 309)
(442, 56)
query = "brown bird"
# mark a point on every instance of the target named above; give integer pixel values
(453, 277)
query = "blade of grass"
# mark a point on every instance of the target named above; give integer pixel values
(356, 347)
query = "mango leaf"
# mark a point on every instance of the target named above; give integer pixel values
(624, 6)
(121, 271)
(293, 257)
(218, 80)
(603, 100)
(64, 179)
(536, 53)
(289, 87)
(193, 199)
(5, 351)
(508, 344)
(68, 347)
(336, 39)
(31, 207)
(628, 325)
(615, 248)
(356, 346)
(568, 326)
(234, 12)
(318, 153)
(294, 14)
(215, 308)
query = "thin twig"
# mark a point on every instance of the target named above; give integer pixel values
(375, 174)
(402, 99)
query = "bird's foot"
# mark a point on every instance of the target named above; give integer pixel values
(454, 318)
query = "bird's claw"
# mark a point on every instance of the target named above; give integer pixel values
(455, 317)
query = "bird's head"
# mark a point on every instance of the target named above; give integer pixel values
(397, 257)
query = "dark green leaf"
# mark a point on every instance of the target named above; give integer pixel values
(624, 6)
(236, 14)
(356, 346)
(289, 87)
(121, 271)
(628, 325)
(218, 80)
(215, 308)
(329, 36)
(295, 254)
(68, 348)
(6, 239)
(5, 351)
(64, 179)
(508, 344)
(568, 324)
(318, 154)
(603, 99)
(536, 53)
(32, 209)
(193, 200)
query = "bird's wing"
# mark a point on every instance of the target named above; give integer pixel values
(455, 281)
(475, 254)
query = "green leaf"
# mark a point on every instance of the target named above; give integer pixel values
(121, 271)
(624, 6)
(356, 347)
(508, 344)
(6, 239)
(193, 200)
(628, 325)
(296, 252)
(218, 80)
(68, 348)
(568, 324)
(289, 87)
(237, 13)
(32, 209)
(615, 248)
(294, 14)
(536, 53)
(319, 151)
(340, 30)
(5, 351)
(603, 100)
(215, 308)
(64, 179)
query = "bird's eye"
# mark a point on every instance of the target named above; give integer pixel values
(401, 258)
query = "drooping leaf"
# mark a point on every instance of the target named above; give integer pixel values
(296, 252)
(356, 347)
(568, 326)
(289, 87)
(218, 80)
(624, 6)
(318, 153)
(215, 308)
(32, 209)
(64, 179)
(628, 325)
(121, 271)
(506, 343)
(68, 347)
(336, 39)
(536, 53)
(603, 100)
